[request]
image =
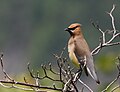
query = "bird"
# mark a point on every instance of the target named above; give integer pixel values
(79, 52)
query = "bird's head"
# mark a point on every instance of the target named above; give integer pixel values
(74, 29)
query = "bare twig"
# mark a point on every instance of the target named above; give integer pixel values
(116, 79)
(103, 42)
(5, 74)
(85, 85)
(110, 84)
(115, 88)
(112, 18)
(29, 85)
(66, 85)
(34, 87)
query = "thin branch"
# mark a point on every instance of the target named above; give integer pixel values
(45, 72)
(66, 85)
(118, 76)
(51, 69)
(103, 42)
(2, 65)
(113, 37)
(112, 18)
(29, 85)
(115, 43)
(110, 84)
(85, 85)
(115, 88)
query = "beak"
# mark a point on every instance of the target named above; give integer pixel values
(67, 29)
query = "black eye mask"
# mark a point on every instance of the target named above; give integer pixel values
(72, 28)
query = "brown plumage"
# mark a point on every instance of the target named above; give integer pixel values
(79, 51)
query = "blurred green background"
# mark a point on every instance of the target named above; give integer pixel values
(32, 30)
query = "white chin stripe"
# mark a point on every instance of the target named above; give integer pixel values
(72, 31)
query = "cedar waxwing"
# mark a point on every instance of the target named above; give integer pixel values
(79, 51)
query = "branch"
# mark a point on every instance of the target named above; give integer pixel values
(112, 18)
(115, 88)
(29, 85)
(5, 74)
(110, 84)
(103, 42)
(116, 79)
(85, 85)
(33, 86)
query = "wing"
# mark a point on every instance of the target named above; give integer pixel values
(81, 49)
(82, 53)
(91, 69)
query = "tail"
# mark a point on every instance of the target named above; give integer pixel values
(91, 69)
